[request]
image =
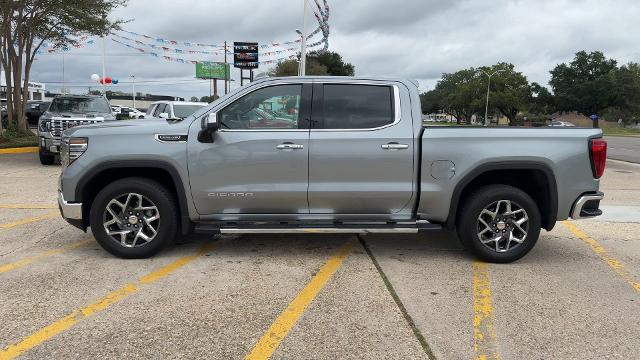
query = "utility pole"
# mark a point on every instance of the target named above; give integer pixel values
(486, 108)
(63, 82)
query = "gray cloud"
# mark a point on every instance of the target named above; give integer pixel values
(413, 38)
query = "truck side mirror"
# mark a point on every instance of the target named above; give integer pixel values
(209, 126)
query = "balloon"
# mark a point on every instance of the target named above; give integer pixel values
(107, 80)
(114, 81)
(95, 77)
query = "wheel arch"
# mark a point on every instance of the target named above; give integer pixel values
(540, 184)
(99, 176)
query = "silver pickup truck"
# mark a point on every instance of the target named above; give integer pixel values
(325, 155)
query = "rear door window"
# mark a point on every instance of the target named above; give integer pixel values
(348, 106)
(159, 110)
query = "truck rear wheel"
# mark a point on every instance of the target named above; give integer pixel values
(499, 223)
(134, 218)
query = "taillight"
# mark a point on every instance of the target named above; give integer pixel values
(598, 154)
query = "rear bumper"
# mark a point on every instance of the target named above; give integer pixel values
(587, 206)
(71, 212)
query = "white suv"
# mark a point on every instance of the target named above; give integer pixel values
(173, 109)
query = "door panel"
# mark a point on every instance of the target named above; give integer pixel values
(259, 163)
(359, 171)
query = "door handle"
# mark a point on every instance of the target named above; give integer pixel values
(290, 146)
(394, 146)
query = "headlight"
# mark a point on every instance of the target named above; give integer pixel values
(44, 125)
(72, 148)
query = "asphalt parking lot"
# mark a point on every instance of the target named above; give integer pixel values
(576, 295)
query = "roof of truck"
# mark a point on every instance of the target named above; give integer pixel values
(348, 78)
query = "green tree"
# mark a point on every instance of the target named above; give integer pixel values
(431, 102)
(540, 101)
(459, 93)
(509, 90)
(626, 96)
(586, 84)
(26, 24)
(318, 63)
(194, 98)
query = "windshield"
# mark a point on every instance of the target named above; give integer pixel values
(80, 105)
(182, 111)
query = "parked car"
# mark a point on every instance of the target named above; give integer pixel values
(357, 161)
(34, 109)
(560, 123)
(173, 109)
(67, 111)
(125, 112)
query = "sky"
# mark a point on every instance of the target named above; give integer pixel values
(417, 39)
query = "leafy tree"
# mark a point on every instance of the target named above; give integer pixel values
(318, 63)
(194, 98)
(431, 102)
(207, 99)
(626, 96)
(540, 101)
(459, 92)
(586, 84)
(509, 90)
(26, 24)
(290, 68)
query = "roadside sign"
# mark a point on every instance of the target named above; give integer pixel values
(245, 55)
(212, 70)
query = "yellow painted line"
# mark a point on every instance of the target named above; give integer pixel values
(19, 150)
(484, 334)
(24, 262)
(614, 263)
(270, 341)
(49, 331)
(27, 206)
(29, 220)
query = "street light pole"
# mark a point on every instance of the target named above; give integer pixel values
(486, 107)
(134, 91)
(302, 70)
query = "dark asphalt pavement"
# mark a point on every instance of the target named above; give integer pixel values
(624, 148)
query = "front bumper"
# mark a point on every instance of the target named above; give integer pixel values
(49, 145)
(587, 206)
(71, 212)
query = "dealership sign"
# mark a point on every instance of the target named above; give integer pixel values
(245, 55)
(212, 70)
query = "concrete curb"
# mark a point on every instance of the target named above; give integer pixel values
(21, 150)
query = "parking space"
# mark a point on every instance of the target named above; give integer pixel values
(576, 295)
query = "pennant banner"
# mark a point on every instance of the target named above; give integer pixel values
(188, 61)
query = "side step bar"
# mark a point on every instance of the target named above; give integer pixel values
(221, 228)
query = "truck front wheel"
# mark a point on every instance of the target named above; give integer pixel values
(499, 223)
(134, 218)
(46, 159)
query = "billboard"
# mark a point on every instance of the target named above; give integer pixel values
(212, 70)
(245, 55)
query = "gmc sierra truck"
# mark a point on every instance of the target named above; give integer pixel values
(325, 155)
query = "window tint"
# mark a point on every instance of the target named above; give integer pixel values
(159, 110)
(274, 107)
(80, 105)
(357, 106)
(150, 109)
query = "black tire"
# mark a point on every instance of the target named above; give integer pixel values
(469, 224)
(46, 159)
(153, 191)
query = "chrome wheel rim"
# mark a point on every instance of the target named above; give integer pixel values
(502, 226)
(131, 219)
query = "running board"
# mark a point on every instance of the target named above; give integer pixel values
(394, 228)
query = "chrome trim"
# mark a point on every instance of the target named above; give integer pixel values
(396, 102)
(579, 204)
(394, 146)
(290, 147)
(321, 230)
(396, 107)
(69, 210)
(157, 138)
